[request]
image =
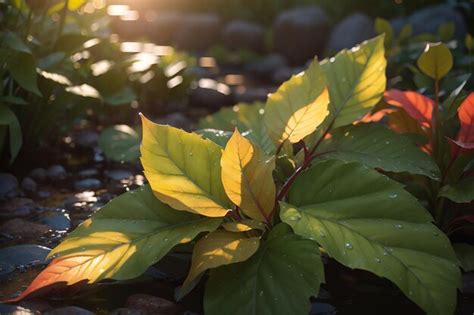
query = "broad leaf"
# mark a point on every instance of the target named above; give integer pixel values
(120, 143)
(367, 221)
(383, 26)
(121, 241)
(465, 253)
(8, 119)
(219, 137)
(415, 104)
(248, 118)
(298, 107)
(247, 177)
(217, 249)
(461, 192)
(14, 42)
(183, 169)
(243, 226)
(435, 61)
(465, 137)
(279, 279)
(400, 121)
(22, 68)
(377, 147)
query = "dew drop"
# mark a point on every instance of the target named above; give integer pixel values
(295, 217)
(378, 260)
(398, 226)
(392, 196)
(348, 246)
(436, 234)
(332, 59)
(190, 154)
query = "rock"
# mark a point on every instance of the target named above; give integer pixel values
(5, 270)
(283, 74)
(43, 194)
(428, 19)
(119, 175)
(178, 120)
(86, 138)
(89, 172)
(8, 186)
(211, 94)
(165, 25)
(16, 310)
(87, 184)
(300, 33)
(18, 207)
(56, 172)
(266, 65)
(351, 31)
(56, 221)
(28, 184)
(21, 255)
(23, 229)
(39, 174)
(239, 34)
(69, 310)
(149, 304)
(198, 32)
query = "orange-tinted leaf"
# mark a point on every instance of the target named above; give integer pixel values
(416, 105)
(465, 139)
(375, 117)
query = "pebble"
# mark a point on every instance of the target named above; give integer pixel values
(56, 172)
(69, 310)
(18, 207)
(149, 304)
(89, 172)
(8, 186)
(119, 174)
(23, 229)
(87, 184)
(39, 174)
(56, 221)
(21, 255)
(29, 185)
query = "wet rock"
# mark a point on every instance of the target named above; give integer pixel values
(119, 175)
(86, 138)
(5, 269)
(299, 34)
(283, 74)
(18, 207)
(211, 94)
(21, 255)
(89, 172)
(149, 304)
(39, 174)
(56, 221)
(239, 34)
(198, 32)
(29, 185)
(43, 194)
(16, 310)
(8, 186)
(69, 310)
(56, 172)
(322, 309)
(351, 31)
(266, 65)
(177, 120)
(428, 19)
(87, 184)
(23, 229)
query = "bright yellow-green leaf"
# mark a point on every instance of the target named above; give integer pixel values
(183, 169)
(298, 107)
(243, 226)
(216, 249)
(247, 177)
(435, 61)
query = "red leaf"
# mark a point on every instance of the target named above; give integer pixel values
(416, 105)
(468, 218)
(465, 139)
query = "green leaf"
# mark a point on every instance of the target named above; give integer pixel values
(121, 97)
(383, 26)
(219, 137)
(9, 119)
(22, 68)
(446, 31)
(405, 32)
(367, 221)
(183, 169)
(14, 42)
(298, 107)
(120, 143)
(248, 118)
(461, 192)
(465, 253)
(279, 279)
(9, 99)
(377, 147)
(435, 61)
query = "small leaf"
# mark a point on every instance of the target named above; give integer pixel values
(22, 68)
(367, 221)
(435, 61)
(383, 26)
(461, 192)
(217, 249)
(120, 241)
(278, 280)
(465, 253)
(120, 143)
(377, 147)
(247, 177)
(298, 107)
(183, 169)
(14, 42)
(416, 105)
(9, 119)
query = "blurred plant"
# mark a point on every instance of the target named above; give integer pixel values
(225, 56)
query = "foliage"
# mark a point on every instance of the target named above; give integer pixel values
(259, 235)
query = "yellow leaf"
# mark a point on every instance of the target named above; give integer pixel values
(435, 61)
(247, 177)
(298, 107)
(216, 249)
(183, 169)
(243, 226)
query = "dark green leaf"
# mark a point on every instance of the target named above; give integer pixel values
(22, 68)
(8, 118)
(461, 192)
(120, 143)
